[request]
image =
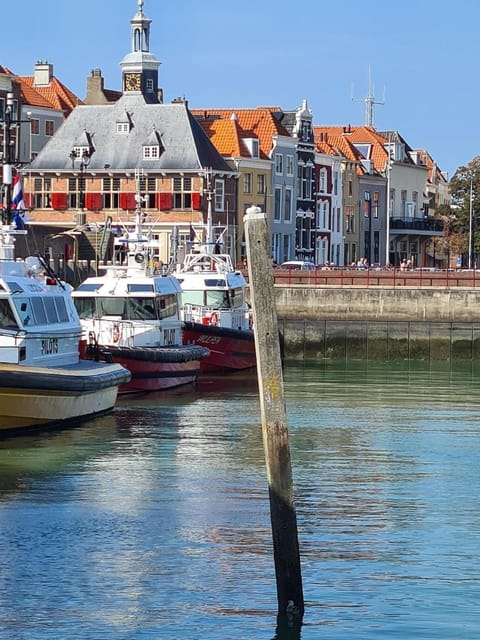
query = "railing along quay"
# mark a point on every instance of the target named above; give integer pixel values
(373, 277)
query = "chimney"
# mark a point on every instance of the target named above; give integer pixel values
(43, 74)
(95, 86)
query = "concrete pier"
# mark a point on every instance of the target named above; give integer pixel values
(379, 323)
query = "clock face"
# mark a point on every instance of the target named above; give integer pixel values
(133, 81)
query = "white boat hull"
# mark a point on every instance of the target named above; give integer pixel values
(55, 397)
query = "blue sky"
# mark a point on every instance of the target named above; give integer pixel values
(423, 57)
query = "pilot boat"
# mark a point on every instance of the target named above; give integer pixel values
(215, 310)
(133, 311)
(43, 381)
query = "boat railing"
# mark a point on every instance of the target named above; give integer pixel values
(127, 333)
(222, 263)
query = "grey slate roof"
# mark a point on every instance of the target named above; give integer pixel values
(186, 145)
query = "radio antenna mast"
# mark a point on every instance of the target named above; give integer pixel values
(369, 101)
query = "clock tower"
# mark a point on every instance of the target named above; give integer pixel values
(140, 67)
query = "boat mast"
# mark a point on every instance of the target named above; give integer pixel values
(209, 191)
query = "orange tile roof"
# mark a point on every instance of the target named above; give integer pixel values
(227, 128)
(56, 94)
(356, 135)
(32, 97)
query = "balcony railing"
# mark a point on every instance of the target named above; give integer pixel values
(416, 224)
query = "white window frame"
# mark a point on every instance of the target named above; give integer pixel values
(151, 152)
(279, 164)
(289, 167)
(219, 195)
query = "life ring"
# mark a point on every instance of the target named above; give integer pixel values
(214, 319)
(116, 333)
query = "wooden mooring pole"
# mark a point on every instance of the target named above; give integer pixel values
(274, 425)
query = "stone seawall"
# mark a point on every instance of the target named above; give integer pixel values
(379, 323)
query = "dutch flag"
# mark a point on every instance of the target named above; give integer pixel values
(19, 217)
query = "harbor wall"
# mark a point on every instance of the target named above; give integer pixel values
(378, 323)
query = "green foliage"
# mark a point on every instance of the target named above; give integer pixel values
(465, 197)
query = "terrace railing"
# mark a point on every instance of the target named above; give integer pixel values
(378, 277)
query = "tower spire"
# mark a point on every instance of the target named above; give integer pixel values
(140, 67)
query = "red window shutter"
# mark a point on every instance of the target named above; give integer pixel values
(59, 201)
(196, 201)
(127, 201)
(165, 201)
(93, 201)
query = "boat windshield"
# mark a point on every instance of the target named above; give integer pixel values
(127, 308)
(217, 299)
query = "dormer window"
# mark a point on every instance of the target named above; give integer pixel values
(80, 151)
(253, 147)
(151, 152)
(153, 146)
(123, 127)
(364, 149)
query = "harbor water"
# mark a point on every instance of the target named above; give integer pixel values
(153, 522)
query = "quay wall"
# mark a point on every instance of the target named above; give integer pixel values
(378, 323)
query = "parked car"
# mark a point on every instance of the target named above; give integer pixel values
(304, 265)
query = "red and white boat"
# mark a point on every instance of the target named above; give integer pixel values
(214, 306)
(133, 313)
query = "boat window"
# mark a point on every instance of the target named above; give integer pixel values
(85, 307)
(210, 282)
(236, 297)
(24, 310)
(89, 286)
(217, 299)
(39, 311)
(111, 307)
(141, 309)
(192, 297)
(140, 288)
(14, 287)
(61, 309)
(167, 306)
(7, 319)
(51, 310)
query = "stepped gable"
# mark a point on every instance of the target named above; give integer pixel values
(227, 128)
(186, 146)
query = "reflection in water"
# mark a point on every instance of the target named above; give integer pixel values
(153, 522)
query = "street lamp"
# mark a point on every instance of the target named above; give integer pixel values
(7, 161)
(84, 157)
(389, 202)
(368, 208)
(470, 227)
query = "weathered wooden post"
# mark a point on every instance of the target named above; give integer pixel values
(274, 425)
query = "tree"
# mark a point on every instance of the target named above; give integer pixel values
(454, 241)
(465, 200)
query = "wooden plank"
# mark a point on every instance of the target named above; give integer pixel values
(273, 416)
